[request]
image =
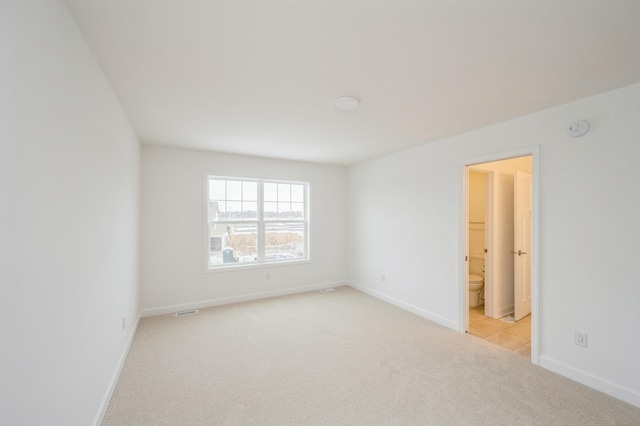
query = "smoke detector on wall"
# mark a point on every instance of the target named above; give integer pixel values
(578, 128)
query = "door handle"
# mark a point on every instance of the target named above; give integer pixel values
(519, 252)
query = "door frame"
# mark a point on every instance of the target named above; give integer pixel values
(534, 152)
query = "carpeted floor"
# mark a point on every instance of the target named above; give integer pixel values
(338, 358)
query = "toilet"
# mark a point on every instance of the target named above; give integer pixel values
(476, 284)
(476, 279)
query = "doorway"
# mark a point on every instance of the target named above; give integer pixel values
(506, 255)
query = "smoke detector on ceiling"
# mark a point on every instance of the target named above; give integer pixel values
(347, 103)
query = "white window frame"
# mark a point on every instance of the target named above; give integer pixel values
(261, 224)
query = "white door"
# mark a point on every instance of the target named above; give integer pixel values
(499, 261)
(522, 245)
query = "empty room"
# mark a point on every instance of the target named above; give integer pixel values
(271, 212)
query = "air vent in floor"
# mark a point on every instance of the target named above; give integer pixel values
(185, 313)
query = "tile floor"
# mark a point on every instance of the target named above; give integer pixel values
(515, 336)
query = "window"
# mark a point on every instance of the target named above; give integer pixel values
(252, 222)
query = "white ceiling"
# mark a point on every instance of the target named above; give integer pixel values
(260, 77)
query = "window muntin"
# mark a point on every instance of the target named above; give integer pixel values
(231, 200)
(256, 222)
(284, 201)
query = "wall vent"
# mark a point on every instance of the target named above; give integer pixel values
(185, 313)
(326, 290)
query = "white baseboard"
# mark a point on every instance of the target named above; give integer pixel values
(97, 421)
(595, 382)
(408, 307)
(236, 299)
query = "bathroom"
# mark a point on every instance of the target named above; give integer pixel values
(492, 262)
(477, 235)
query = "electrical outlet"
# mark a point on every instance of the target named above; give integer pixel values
(580, 338)
(383, 278)
(124, 323)
(267, 276)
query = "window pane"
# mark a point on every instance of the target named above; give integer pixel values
(284, 192)
(216, 244)
(234, 210)
(284, 210)
(216, 189)
(297, 193)
(237, 244)
(234, 190)
(217, 237)
(297, 211)
(250, 210)
(217, 210)
(284, 241)
(270, 192)
(250, 191)
(270, 211)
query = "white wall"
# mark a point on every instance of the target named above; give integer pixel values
(172, 266)
(69, 180)
(404, 221)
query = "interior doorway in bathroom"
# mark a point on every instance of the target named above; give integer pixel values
(499, 246)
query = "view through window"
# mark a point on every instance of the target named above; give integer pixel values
(256, 221)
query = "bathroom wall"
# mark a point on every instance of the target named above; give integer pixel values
(476, 212)
(509, 166)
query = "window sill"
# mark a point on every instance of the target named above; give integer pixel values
(273, 264)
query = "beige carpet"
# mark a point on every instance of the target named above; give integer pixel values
(338, 358)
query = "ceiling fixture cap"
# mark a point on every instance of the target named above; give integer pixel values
(347, 103)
